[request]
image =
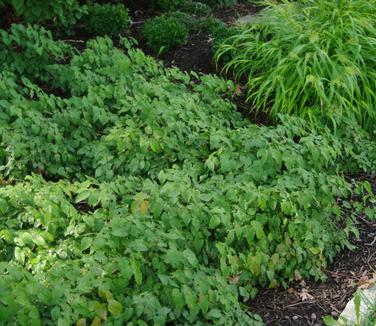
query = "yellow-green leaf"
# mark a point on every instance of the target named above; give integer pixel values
(115, 307)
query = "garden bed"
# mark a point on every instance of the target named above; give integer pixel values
(164, 154)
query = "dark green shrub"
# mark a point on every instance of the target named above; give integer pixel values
(219, 3)
(107, 19)
(314, 59)
(64, 12)
(188, 6)
(208, 24)
(188, 20)
(195, 8)
(166, 5)
(164, 32)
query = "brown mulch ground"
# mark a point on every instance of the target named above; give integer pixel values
(305, 303)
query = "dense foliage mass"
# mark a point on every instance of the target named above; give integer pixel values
(107, 19)
(164, 32)
(132, 194)
(310, 58)
(171, 5)
(66, 12)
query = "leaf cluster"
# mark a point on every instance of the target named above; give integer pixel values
(64, 12)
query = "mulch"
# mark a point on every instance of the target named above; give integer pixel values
(306, 302)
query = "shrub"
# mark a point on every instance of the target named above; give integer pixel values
(164, 32)
(310, 58)
(192, 7)
(195, 8)
(107, 19)
(166, 5)
(64, 12)
(218, 3)
(207, 24)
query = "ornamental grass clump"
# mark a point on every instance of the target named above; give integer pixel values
(314, 59)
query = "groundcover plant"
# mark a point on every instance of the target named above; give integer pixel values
(132, 194)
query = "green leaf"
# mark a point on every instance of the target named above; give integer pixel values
(136, 271)
(255, 265)
(214, 222)
(204, 303)
(19, 255)
(38, 239)
(189, 297)
(258, 229)
(191, 257)
(100, 309)
(115, 307)
(119, 227)
(214, 314)
(178, 298)
(82, 196)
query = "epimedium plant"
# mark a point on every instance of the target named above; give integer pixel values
(65, 12)
(28, 50)
(308, 58)
(107, 251)
(156, 203)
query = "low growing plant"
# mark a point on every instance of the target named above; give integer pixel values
(28, 50)
(107, 19)
(63, 12)
(219, 3)
(166, 5)
(309, 58)
(136, 194)
(165, 32)
(187, 6)
(195, 8)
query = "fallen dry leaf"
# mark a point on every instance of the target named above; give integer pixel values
(365, 282)
(305, 296)
(234, 279)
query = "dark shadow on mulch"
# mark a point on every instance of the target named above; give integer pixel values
(350, 270)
